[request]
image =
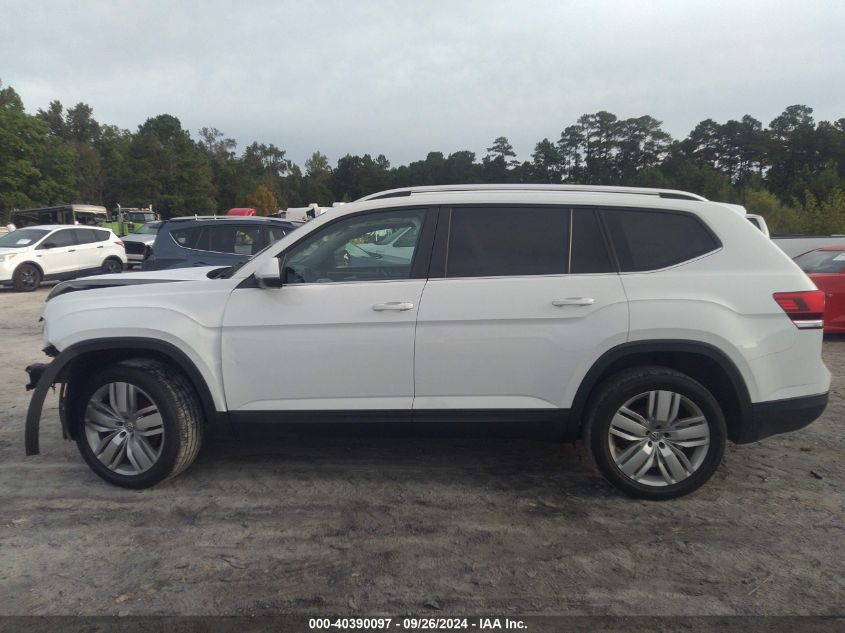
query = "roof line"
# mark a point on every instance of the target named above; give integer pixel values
(410, 191)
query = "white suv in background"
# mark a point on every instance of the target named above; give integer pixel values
(34, 254)
(653, 325)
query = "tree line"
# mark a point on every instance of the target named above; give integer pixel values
(791, 171)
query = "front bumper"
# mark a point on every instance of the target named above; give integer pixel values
(782, 416)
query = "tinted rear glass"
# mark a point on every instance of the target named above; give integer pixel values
(650, 240)
(89, 236)
(499, 241)
(822, 261)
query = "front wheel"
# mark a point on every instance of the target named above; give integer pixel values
(137, 423)
(26, 278)
(655, 433)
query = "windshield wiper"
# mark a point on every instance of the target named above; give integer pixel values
(231, 270)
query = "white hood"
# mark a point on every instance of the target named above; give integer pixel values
(131, 279)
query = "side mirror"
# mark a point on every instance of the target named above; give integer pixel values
(48, 245)
(268, 274)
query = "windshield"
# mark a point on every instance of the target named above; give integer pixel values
(22, 237)
(150, 228)
(140, 217)
(821, 261)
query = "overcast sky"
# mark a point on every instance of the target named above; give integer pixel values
(406, 78)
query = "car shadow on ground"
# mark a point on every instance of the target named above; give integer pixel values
(472, 460)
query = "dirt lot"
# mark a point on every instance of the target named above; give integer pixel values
(371, 525)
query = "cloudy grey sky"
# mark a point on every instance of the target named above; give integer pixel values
(404, 78)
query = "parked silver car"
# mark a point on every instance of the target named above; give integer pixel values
(137, 241)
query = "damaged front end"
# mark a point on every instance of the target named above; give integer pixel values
(42, 378)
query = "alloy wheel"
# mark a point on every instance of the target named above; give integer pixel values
(28, 277)
(659, 438)
(124, 428)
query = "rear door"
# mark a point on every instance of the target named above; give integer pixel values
(520, 302)
(57, 253)
(90, 249)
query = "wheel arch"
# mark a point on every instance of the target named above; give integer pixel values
(31, 263)
(75, 360)
(703, 362)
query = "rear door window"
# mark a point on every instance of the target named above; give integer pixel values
(507, 241)
(90, 236)
(651, 240)
(247, 240)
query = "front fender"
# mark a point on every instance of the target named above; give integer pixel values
(42, 377)
(109, 350)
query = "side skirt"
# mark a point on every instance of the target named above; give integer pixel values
(549, 424)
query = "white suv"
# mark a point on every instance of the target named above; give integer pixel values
(653, 325)
(34, 254)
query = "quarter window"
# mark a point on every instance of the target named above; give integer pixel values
(507, 241)
(351, 250)
(650, 240)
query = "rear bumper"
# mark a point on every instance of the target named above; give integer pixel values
(782, 416)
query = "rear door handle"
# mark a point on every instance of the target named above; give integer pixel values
(574, 301)
(100, 246)
(396, 306)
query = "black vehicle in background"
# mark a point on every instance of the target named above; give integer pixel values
(212, 240)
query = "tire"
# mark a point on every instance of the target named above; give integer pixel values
(107, 421)
(112, 266)
(670, 438)
(27, 277)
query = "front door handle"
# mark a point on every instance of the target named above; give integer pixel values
(397, 306)
(574, 301)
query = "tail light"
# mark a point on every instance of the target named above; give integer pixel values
(120, 243)
(148, 250)
(805, 308)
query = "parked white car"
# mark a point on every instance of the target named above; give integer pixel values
(34, 254)
(653, 325)
(395, 243)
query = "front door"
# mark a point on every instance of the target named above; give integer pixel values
(339, 333)
(57, 253)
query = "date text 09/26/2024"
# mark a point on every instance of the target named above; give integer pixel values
(416, 624)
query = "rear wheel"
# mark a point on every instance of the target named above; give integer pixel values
(112, 266)
(655, 433)
(138, 423)
(26, 278)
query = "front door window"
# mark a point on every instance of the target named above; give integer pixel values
(349, 250)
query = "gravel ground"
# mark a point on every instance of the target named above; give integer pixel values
(314, 525)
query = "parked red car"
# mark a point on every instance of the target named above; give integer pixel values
(826, 267)
(248, 211)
